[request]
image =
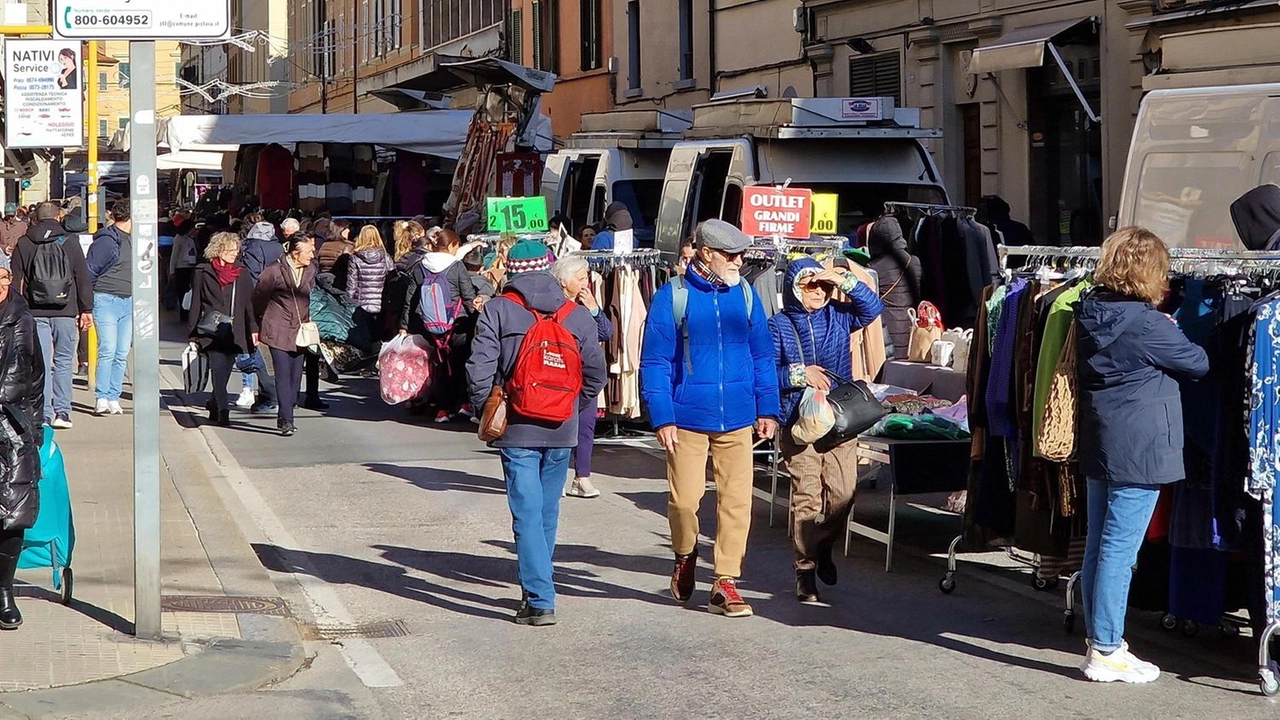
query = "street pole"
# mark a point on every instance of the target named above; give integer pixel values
(91, 197)
(146, 340)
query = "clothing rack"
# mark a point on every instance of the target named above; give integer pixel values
(608, 259)
(1182, 260)
(964, 210)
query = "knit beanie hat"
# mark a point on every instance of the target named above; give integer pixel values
(528, 256)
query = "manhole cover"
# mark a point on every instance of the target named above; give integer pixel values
(373, 630)
(225, 604)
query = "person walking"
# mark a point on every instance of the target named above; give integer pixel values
(21, 435)
(222, 318)
(336, 245)
(708, 376)
(574, 276)
(437, 306)
(367, 276)
(110, 264)
(1130, 357)
(50, 273)
(810, 345)
(282, 303)
(183, 262)
(534, 453)
(261, 249)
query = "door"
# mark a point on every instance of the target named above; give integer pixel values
(971, 122)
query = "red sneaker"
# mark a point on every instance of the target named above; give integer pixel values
(683, 577)
(726, 601)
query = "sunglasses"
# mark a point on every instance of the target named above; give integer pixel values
(730, 256)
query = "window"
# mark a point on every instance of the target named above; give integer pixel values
(102, 81)
(686, 39)
(876, 76)
(123, 80)
(537, 35)
(633, 44)
(515, 37)
(122, 122)
(102, 128)
(592, 31)
(440, 22)
(546, 29)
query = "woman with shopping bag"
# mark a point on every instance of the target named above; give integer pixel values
(282, 302)
(222, 320)
(811, 349)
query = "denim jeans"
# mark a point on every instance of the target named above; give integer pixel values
(535, 480)
(1118, 518)
(114, 317)
(254, 366)
(58, 338)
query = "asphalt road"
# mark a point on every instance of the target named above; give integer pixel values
(369, 516)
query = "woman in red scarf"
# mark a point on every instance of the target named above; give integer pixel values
(222, 318)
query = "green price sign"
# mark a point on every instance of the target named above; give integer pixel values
(518, 214)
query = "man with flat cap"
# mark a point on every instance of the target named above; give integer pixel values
(708, 377)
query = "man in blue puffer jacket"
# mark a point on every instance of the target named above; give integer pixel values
(707, 375)
(810, 340)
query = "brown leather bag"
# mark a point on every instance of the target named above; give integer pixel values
(493, 417)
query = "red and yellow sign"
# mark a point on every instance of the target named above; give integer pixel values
(768, 211)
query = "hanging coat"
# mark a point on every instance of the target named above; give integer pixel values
(900, 276)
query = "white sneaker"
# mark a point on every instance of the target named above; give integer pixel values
(61, 423)
(582, 488)
(1119, 666)
(115, 408)
(246, 399)
(102, 408)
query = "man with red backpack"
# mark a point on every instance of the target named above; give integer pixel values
(542, 349)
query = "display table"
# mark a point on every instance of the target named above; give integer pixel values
(915, 467)
(939, 382)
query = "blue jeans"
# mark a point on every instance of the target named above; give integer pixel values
(253, 365)
(1118, 518)
(114, 317)
(535, 480)
(58, 338)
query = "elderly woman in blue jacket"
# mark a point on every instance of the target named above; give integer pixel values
(1129, 359)
(811, 343)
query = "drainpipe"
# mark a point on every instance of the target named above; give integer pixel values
(711, 40)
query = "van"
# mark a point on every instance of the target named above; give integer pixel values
(1194, 152)
(619, 155)
(864, 150)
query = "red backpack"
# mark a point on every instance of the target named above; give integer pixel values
(547, 380)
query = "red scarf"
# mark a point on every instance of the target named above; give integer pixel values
(226, 274)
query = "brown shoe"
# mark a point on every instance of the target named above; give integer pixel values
(726, 601)
(683, 578)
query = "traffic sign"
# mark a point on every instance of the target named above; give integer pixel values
(525, 214)
(141, 19)
(770, 211)
(826, 209)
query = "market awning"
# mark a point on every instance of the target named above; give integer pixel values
(412, 99)
(441, 133)
(1026, 47)
(454, 72)
(190, 160)
(1022, 48)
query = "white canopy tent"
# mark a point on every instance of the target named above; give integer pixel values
(191, 160)
(442, 133)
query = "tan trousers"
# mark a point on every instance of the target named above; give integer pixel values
(687, 475)
(822, 488)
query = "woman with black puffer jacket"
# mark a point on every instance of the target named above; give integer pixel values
(899, 272)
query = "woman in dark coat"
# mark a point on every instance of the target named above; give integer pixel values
(222, 286)
(21, 434)
(282, 302)
(899, 272)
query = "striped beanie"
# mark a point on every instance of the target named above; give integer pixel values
(528, 256)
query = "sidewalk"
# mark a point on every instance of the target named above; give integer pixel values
(91, 640)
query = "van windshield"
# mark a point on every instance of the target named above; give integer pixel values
(1185, 198)
(861, 203)
(642, 198)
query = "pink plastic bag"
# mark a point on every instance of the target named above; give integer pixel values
(404, 368)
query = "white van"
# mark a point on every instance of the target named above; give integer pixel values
(1194, 152)
(619, 155)
(863, 149)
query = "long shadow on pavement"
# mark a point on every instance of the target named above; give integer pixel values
(441, 480)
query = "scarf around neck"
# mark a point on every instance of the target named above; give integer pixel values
(225, 273)
(706, 273)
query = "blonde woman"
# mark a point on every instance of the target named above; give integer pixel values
(222, 318)
(367, 273)
(1130, 357)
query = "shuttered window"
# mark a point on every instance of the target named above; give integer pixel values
(515, 35)
(876, 76)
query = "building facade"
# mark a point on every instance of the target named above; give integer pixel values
(574, 40)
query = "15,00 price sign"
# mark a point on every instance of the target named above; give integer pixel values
(517, 214)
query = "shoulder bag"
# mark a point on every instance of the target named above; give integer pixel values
(308, 332)
(854, 405)
(214, 323)
(493, 416)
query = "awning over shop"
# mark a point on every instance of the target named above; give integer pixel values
(190, 160)
(455, 72)
(1023, 48)
(441, 133)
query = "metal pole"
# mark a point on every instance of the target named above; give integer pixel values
(355, 69)
(146, 340)
(91, 197)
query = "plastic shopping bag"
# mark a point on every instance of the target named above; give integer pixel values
(816, 418)
(195, 370)
(404, 368)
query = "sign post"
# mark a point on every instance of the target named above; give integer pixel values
(42, 94)
(142, 22)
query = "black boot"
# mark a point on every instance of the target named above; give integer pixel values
(10, 618)
(826, 567)
(224, 418)
(529, 615)
(806, 586)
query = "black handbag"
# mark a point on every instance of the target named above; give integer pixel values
(854, 405)
(215, 324)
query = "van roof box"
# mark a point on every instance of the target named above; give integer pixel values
(631, 129)
(808, 118)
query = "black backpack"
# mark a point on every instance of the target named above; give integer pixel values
(50, 280)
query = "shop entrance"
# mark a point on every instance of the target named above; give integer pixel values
(1066, 152)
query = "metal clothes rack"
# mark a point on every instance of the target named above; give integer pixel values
(892, 205)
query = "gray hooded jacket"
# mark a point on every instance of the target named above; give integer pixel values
(501, 328)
